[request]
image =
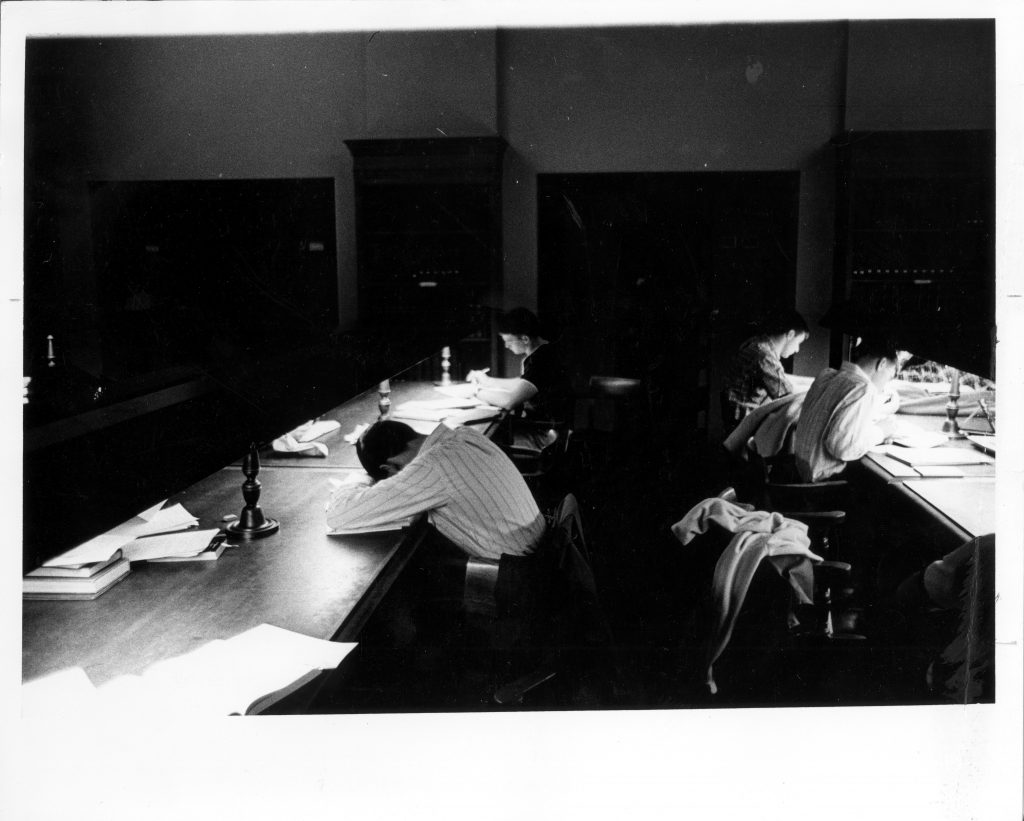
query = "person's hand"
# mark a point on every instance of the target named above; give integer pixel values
(476, 376)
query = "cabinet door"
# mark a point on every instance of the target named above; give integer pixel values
(429, 244)
(915, 242)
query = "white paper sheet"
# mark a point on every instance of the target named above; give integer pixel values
(102, 547)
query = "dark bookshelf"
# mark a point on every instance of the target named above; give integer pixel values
(915, 242)
(428, 243)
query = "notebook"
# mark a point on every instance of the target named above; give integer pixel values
(936, 456)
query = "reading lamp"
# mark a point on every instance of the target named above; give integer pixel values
(252, 523)
(950, 426)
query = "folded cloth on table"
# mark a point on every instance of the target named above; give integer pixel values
(289, 444)
(314, 429)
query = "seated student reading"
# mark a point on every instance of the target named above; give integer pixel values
(472, 493)
(756, 375)
(839, 421)
(542, 390)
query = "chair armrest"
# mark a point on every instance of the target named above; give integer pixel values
(811, 487)
(827, 518)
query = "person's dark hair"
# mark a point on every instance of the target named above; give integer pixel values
(380, 442)
(783, 320)
(877, 347)
(519, 322)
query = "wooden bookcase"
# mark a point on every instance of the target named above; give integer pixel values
(915, 242)
(428, 234)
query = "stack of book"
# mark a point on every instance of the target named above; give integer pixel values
(90, 569)
(85, 581)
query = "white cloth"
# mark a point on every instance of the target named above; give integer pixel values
(764, 430)
(473, 495)
(759, 535)
(836, 423)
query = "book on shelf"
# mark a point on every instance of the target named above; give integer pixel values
(75, 588)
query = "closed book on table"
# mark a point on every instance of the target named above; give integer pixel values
(75, 587)
(82, 571)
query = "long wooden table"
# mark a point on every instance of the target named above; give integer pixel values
(964, 507)
(299, 578)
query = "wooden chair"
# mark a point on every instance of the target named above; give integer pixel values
(539, 449)
(548, 626)
(773, 625)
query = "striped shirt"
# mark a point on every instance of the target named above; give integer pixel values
(755, 376)
(837, 422)
(473, 495)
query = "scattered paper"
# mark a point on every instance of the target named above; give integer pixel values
(462, 390)
(480, 414)
(920, 439)
(936, 456)
(384, 527)
(440, 404)
(940, 471)
(102, 547)
(190, 543)
(65, 694)
(226, 676)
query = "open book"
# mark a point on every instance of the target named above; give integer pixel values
(155, 520)
(242, 675)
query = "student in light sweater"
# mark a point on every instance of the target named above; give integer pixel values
(841, 414)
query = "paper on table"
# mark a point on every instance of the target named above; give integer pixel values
(479, 414)
(423, 414)
(430, 405)
(67, 693)
(461, 391)
(941, 471)
(226, 676)
(167, 520)
(189, 543)
(102, 547)
(385, 527)
(920, 439)
(936, 456)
